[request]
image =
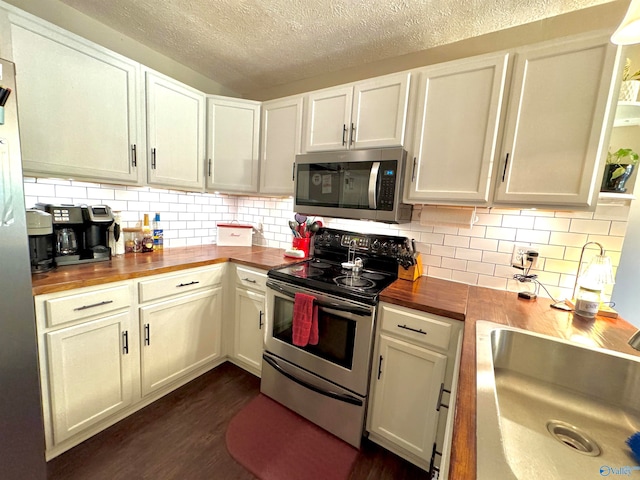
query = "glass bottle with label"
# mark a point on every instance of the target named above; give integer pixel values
(147, 236)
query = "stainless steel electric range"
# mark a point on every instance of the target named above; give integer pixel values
(328, 383)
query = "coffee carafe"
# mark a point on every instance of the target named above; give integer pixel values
(66, 242)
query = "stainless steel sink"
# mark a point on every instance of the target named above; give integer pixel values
(548, 408)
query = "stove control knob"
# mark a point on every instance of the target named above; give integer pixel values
(375, 246)
(394, 248)
(385, 247)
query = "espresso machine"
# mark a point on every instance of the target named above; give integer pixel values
(80, 232)
(40, 231)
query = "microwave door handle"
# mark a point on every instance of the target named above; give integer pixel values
(373, 184)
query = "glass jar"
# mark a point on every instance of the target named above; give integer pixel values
(132, 240)
(587, 302)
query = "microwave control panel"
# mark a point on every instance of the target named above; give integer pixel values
(387, 185)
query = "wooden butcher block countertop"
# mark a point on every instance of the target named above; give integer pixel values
(441, 297)
(137, 265)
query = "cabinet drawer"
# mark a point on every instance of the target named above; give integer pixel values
(83, 305)
(420, 328)
(178, 284)
(251, 278)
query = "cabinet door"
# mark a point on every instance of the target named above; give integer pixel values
(557, 118)
(328, 119)
(233, 141)
(249, 323)
(78, 106)
(90, 373)
(380, 112)
(178, 336)
(281, 138)
(175, 133)
(405, 395)
(457, 131)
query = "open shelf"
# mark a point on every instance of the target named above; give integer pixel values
(627, 114)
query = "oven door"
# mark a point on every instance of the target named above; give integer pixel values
(345, 331)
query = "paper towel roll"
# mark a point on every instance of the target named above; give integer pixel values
(460, 217)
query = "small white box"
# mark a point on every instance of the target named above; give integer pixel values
(234, 235)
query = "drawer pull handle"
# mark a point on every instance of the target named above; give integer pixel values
(380, 367)
(99, 304)
(125, 342)
(147, 334)
(440, 404)
(412, 329)
(249, 280)
(187, 284)
(260, 322)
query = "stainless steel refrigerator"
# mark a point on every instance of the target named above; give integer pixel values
(21, 428)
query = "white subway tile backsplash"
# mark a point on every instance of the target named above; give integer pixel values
(608, 242)
(484, 244)
(561, 266)
(479, 255)
(439, 272)
(552, 224)
(532, 236)
(567, 239)
(456, 241)
(464, 277)
(500, 233)
(600, 227)
(618, 229)
(443, 251)
(468, 254)
(125, 195)
(497, 258)
(512, 221)
(480, 267)
(454, 264)
(432, 238)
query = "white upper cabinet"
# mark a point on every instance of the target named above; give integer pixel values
(233, 140)
(175, 133)
(456, 131)
(557, 122)
(281, 142)
(363, 115)
(78, 105)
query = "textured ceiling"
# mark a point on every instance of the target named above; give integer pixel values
(249, 45)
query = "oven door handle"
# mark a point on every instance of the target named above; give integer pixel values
(363, 312)
(343, 397)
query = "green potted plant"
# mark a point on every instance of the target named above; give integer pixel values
(630, 84)
(618, 169)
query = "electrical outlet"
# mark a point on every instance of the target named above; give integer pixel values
(519, 257)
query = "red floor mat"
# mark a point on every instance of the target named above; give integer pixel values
(274, 443)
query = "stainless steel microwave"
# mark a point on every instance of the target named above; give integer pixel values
(358, 184)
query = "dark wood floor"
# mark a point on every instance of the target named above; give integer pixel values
(182, 436)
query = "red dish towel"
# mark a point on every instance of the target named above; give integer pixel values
(305, 320)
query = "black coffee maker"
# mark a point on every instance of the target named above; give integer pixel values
(40, 231)
(80, 232)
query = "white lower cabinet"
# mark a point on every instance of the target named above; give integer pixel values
(408, 380)
(90, 373)
(413, 385)
(178, 336)
(249, 318)
(109, 350)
